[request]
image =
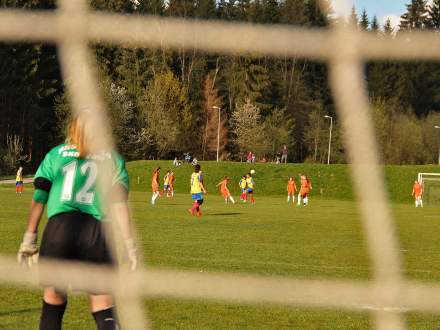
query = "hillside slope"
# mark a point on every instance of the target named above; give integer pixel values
(328, 181)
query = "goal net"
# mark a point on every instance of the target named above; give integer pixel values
(74, 26)
(431, 187)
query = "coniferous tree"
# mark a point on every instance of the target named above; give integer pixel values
(388, 28)
(374, 27)
(415, 17)
(434, 15)
(364, 23)
(353, 18)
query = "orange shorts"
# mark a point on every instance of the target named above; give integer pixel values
(225, 193)
(155, 188)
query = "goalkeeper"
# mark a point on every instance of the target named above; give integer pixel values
(66, 182)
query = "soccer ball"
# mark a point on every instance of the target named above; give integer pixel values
(252, 171)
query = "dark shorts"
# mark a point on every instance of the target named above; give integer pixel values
(76, 237)
(18, 183)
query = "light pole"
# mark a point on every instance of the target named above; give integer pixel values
(330, 138)
(437, 126)
(218, 129)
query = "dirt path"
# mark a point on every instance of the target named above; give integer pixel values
(12, 181)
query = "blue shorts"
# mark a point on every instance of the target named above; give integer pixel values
(18, 183)
(197, 197)
(243, 190)
(250, 190)
(166, 187)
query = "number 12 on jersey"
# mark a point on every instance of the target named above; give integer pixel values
(84, 195)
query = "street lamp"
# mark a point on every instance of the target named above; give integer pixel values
(218, 129)
(330, 138)
(437, 126)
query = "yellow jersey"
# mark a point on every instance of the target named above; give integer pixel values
(195, 183)
(166, 180)
(250, 183)
(19, 176)
(242, 183)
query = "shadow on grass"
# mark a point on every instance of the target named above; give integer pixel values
(20, 311)
(226, 213)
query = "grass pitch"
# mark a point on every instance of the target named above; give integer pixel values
(323, 240)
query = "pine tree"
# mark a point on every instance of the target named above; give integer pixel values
(415, 17)
(364, 22)
(353, 18)
(388, 28)
(212, 103)
(293, 12)
(374, 24)
(434, 15)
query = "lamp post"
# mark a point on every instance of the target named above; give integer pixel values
(218, 129)
(437, 126)
(330, 138)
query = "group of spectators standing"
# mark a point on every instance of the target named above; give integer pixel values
(280, 157)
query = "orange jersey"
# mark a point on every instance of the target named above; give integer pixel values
(291, 186)
(306, 185)
(224, 188)
(171, 180)
(155, 181)
(417, 189)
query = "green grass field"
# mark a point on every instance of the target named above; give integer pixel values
(323, 240)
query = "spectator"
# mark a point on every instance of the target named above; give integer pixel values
(284, 155)
(249, 157)
(176, 162)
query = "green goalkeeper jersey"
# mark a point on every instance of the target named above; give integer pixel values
(68, 183)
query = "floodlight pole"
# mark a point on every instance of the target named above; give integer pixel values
(218, 129)
(437, 126)
(330, 138)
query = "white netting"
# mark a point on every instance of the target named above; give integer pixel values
(345, 49)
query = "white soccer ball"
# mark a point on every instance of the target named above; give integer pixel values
(252, 171)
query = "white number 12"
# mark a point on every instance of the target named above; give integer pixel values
(84, 196)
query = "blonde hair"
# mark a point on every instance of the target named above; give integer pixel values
(76, 135)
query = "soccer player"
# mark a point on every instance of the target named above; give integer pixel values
(417, 192)
(197, 191)
(172, 179)
(19, 181)
(304, 191)
(166, 183)
(302, 180)
(250, 187)
(155, 185)
(242, 185)
(66, 181)
(225, 191)
(291, 189)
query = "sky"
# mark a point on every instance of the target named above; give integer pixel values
(383, 9)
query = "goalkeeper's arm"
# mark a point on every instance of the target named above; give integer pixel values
(28, 252)
(121, 213)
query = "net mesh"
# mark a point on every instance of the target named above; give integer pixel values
(73, 26)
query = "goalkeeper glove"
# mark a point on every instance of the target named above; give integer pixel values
(28, 253)
(131, 253)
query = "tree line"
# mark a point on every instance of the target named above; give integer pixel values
(165, 102)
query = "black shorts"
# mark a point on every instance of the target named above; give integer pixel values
(76, 236)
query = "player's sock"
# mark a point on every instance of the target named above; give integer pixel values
(293, 199)
(421, 203)
(232, 199)
(417, 203)
(306, 201)
(299, 200)
(106, 319)
(288, 198)
(52, 316)
(226, 201)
